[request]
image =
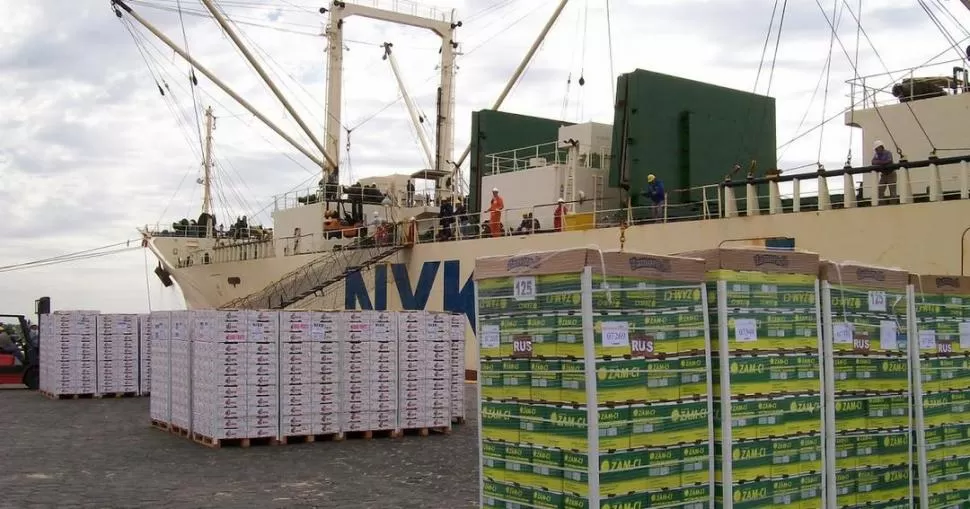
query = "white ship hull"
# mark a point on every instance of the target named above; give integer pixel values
(924, 238)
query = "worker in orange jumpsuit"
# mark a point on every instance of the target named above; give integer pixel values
(557, 217)
(495, 213)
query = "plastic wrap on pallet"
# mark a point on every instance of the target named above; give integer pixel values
(764, 309)
(941, 331)
(68, 353)
(594, 397)
(866, 323)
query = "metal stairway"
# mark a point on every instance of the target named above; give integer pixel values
(316, 276)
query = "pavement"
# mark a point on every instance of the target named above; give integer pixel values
(104, 454)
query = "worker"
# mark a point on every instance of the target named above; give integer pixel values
(529, 224)
(495, 213)
(655, 192)
(887, 177)
(559, 214)
(411, 233)
(410, 193)
(9, 347)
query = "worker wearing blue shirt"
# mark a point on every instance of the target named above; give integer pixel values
(655, 191)
(887, 177)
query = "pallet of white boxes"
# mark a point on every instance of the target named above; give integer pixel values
(86, 354)
(249, 377)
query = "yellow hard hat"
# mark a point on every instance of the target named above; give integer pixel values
(651, 177)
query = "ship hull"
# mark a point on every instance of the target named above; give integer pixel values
(923, 238)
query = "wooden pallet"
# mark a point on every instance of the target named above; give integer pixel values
(106, 395)
(306, 439)
(51, 395)
(162, 425)
(180, 431)
(443, 430)
(216, 443)
(369, 434)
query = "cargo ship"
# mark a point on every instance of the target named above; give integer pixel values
(375, 245)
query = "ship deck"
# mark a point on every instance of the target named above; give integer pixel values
(104, 453)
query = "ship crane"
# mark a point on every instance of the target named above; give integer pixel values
(412, 109)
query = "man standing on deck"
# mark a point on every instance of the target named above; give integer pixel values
(655, 192)
(495, 213)
(887, 177)
(559, 215)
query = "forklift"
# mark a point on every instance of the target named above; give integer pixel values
(12, 371)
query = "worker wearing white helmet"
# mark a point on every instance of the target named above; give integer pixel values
(887, 176)
(557, 216)
(495, 213)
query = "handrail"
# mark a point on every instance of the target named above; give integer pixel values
(862, 170)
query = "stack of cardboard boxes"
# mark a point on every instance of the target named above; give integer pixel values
(180, 375)
(424, 370)
(941, 310)
(144, 354)
(768, 384)
(326, 386)
(117, 352)
(68, 354)
(219, 404)
(160, 338)
(295, 379)
(262, 373)
(596, 397)
(868, 352)
(458, 368)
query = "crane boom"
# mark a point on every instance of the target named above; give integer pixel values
(412, 110)
(521, 68)
(212, 77)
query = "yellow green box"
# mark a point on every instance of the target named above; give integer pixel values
(659, 425)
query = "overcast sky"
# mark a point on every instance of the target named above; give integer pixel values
(89, 149)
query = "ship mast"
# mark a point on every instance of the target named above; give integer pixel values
(210, 125)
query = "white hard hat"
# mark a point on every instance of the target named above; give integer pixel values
(877, 144)
(561, 200)
(376, 213)
(494, 189)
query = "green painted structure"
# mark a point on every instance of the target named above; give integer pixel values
(497, 131)
(688, 133)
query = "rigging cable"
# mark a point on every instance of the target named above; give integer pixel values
(899, 149)
(609, 40)
(193, 81)
(828, 80)
(764, 49)
(857, 103)
(939, 25)
(148, 286)
(855, 81)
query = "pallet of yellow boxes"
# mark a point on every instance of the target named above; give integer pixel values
(595, 375)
